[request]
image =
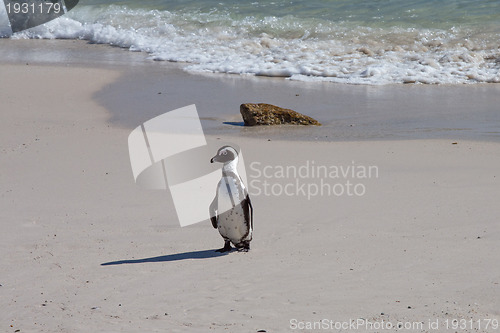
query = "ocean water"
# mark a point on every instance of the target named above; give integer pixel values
(370, 42)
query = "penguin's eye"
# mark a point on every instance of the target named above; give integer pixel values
(223, 152)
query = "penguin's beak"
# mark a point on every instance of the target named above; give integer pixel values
(212, 160)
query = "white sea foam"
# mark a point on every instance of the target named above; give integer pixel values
(299, 49)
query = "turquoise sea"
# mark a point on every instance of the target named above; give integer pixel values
(347, 41)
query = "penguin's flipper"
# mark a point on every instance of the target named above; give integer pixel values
(247, 207)
(227, 247)
(246, 204)
(251, 210)
(213, 219)
(213, 212)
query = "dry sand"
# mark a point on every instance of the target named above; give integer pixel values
(83, 249)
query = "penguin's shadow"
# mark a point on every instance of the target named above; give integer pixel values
(205, 254)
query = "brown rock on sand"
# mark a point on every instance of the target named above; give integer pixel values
(268, 114)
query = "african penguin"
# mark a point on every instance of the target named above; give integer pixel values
(231, 211)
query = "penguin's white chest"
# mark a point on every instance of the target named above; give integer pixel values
(231, 225)
(231, 221)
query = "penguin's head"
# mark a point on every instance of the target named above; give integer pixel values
(225, 154)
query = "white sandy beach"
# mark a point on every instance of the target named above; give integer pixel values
(84, 249)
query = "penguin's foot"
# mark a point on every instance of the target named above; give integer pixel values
(227, 247)
(244, 247)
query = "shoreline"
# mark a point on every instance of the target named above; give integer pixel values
(148, 88)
